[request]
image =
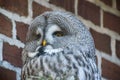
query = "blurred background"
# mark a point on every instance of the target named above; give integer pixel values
(101, 17)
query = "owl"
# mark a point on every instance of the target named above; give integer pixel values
(59, 47)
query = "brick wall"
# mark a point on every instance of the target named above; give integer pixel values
(102, 17)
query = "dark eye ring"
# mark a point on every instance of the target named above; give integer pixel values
(38, 36)
(58, 33)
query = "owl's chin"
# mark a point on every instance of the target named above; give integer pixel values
(44, 50)
(50, 50)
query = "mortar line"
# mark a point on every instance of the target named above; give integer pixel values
(101, 18)
(1, 49)
(14, 33)
(76, 7)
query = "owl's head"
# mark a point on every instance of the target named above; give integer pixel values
(58, 30)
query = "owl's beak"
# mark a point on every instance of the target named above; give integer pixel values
(44, 42)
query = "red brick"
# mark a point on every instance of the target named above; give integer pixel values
(107, 2)
(17, 6)
(112, 22)
(39, 9)
(118, 48)
(6, 74)
(21, 31)
(110, 70)
(67, 4)
(118, 4)
(102, 41)
(89, 11)
(5, 26)
(12, 54)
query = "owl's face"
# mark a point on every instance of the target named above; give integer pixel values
(55, 32)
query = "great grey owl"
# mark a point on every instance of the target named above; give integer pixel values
(59, 47)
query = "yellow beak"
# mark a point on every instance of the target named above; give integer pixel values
(44, 43)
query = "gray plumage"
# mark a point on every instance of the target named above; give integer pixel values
(70, 56)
